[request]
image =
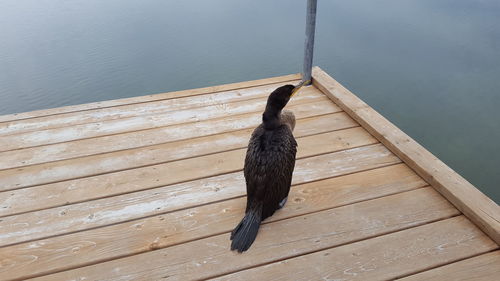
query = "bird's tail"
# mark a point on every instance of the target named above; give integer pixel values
(245, 232)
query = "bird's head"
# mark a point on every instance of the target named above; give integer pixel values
(280, 97)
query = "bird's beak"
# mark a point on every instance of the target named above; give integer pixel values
(296, 89)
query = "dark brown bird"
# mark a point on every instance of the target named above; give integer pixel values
(269, 164)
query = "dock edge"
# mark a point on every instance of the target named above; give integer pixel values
(478, 207)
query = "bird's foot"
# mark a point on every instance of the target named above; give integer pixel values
(283, 202)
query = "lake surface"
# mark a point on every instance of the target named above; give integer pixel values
(432, 67)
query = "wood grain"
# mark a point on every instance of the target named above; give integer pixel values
(76, 217)
(59, 152)
(473, 203)
(134, 110)
(160, 231)
(143, 122)
(40, 197)
(381, 258)
(485, 267)
(276, 240)
(158, 203)
(148, 98)
(18, 178)
(85, 147)
(151, 155)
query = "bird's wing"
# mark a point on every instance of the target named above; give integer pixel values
(269, 166)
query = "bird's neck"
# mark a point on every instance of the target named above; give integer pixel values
(271, 118)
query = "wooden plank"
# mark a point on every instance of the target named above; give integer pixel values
(485, 267)
(57, 171)
(148, 98)
(467, 198)
(110, 127)
(85, 215)
(151, 155)
(86, 147)
(381, 258)
(134, 237)
(278, 240)
(164, 152)
(134, 110)
(23, 200)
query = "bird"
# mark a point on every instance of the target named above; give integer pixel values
(269, 164)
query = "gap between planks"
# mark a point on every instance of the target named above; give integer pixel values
(482, 267)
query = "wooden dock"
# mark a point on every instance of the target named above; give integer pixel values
(148, 188)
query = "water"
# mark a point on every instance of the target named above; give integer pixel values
(430, 66)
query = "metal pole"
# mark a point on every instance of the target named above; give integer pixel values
(309, 43)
